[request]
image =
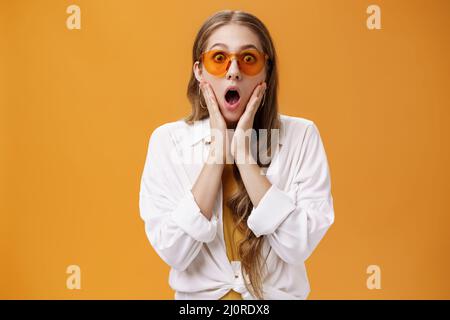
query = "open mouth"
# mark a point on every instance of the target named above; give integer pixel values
(232, 97)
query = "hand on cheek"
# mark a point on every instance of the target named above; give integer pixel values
(246, 122)
(220, 136)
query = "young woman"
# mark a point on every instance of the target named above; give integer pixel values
(236, 229)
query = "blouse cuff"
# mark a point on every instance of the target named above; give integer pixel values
(272, 209)
(189, 218)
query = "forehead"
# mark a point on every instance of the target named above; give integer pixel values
(234, 36)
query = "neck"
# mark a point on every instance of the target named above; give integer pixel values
(231, 125)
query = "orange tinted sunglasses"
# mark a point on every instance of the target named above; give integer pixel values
(250, 61)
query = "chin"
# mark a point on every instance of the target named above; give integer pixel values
(231, 117)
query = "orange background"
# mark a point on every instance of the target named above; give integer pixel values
(78, 107)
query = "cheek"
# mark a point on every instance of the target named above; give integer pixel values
(216, 91)
(251, 88)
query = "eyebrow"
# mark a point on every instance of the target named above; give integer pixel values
(245, 46)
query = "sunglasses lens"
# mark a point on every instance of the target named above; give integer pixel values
(251, 62)
(216, 62)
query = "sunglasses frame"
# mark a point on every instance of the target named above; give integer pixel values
(231, 56)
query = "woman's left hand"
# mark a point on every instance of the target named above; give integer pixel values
(238, 147)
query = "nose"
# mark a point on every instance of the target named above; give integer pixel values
(233, 72)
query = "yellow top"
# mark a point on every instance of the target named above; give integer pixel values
(229, 186)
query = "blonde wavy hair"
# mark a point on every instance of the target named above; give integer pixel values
(267, 117)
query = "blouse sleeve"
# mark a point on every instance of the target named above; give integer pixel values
(174, 224)
(295, 221)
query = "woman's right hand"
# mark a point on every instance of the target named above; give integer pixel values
(217, 122)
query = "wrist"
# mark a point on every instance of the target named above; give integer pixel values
(215, 155)
(244, 157)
